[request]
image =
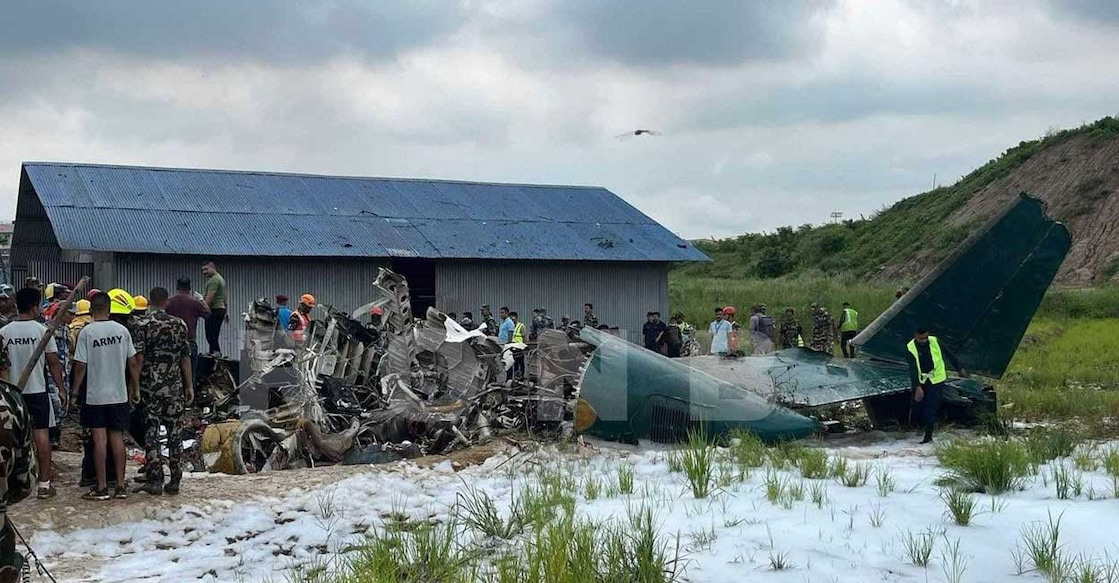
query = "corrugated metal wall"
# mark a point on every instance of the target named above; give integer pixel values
(343, 283)
(622, 292)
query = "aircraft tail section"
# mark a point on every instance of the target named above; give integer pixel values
(979, 300)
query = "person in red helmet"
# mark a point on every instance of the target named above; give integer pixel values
(732, 339)
(301, 318)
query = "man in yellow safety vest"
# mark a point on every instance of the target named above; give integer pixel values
(848, 329)
(928, 372)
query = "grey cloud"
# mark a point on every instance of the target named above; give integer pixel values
(1092, 11)
(666, 32)
(273, 31)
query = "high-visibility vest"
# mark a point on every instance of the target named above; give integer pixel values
(304, 320)
(519, 332)
(850, 320)
(939, 373)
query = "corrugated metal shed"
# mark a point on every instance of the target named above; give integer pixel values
(228, 213)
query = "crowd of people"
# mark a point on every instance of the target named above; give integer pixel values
(767, 334)
(119, 363)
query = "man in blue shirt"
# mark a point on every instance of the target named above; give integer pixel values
(283, 312)
(505, 333)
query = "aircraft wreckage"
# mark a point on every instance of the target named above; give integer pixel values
(397, 386)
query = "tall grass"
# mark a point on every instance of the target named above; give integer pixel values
(991, 466)
(1062, 352)
(698, 462)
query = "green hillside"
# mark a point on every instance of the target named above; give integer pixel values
(861, 248)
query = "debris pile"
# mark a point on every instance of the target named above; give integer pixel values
(378, 385)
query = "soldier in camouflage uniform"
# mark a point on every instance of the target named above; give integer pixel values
(165, 388)
(790, 330)
(7, 304)
(17, 473)
(489, 321)
(823, 330)
(589, 319)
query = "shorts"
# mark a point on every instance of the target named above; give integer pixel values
(113, 417)
(39, 408)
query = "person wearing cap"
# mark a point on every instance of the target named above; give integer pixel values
(301, 318)
(19, 340)
(48, 298)
(8, 312)
(92, 292)
(58, 293)
(467, 321)
(283, 311)
(34, 283)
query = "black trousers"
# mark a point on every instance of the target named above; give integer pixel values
(929, 407)
(674, 350)
(213, 329)
(844, 343)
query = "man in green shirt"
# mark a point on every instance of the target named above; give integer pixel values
(215, 300)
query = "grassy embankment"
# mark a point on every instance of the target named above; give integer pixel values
(1067, 366)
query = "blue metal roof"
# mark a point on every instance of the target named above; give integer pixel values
(220, 212)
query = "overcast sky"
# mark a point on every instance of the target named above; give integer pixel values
(772, 112)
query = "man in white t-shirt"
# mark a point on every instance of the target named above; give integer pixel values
(19, 341)
(106, 360)
(720, 334)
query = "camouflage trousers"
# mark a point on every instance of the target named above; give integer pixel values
(11, 562)
(161, 413)
(823, 343)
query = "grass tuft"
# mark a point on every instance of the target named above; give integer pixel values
(988, 465)
(625, 479)
(813, 464)
(960, 506)
(856, 475)
(698, 461)
(919, 547)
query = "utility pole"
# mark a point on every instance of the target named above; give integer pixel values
(836, 216)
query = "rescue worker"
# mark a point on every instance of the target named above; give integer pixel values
(141, 309)
(720, 333)
(467, 321)
(283, 311)
(81, 318)
(565, 324)
(34, 283)
(165, 390)
(106, 358)
(301, 318)
(517, 336)
(823, 330)
(848, 329)
(19, 341)
(488, 321)
(8, 312)
(59, 292)
(927, 373)
(730, 314)
(17, 473)
(589, 319)
(790, 330)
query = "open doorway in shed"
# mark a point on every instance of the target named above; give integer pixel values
(420, 274)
